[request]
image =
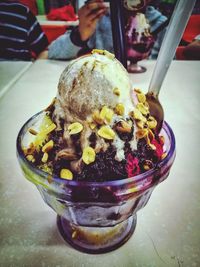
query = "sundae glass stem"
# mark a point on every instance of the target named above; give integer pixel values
(170, 42)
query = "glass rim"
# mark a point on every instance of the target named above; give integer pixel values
(118, 182)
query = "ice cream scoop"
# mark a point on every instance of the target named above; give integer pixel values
(89, 83)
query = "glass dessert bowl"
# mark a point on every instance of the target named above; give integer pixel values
(96, 217)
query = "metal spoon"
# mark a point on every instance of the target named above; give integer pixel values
(170, 42)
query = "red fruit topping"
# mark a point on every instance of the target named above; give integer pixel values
(132, 166)
(159, 148)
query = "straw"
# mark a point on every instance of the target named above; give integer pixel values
(118, 30)
(178, 22)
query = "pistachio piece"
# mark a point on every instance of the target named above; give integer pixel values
(164, 155)
(88, 155)
(148, 164)
(142, 108)
(75, 128)
(92, 125)
(108, 54)
(74, 234)
(106, 132)
(141, 133)
(151, 122)
(96, 117)
(32, 131)
(45, 157)
(50, 179)
(124, 127)
(98, 51)
(116, 91)
(106, 114)
(137, 115)
(29, 150)
(66, 174)
(140, 124)
(119, 109)
(137, 90)
(141, 97)
(103, 52)
(48, 146)
(109, 116)
(30, 158)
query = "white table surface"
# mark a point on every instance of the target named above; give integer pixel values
(168, 228)
(10, 72)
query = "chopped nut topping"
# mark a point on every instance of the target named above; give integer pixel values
(106, 114)
(96, 117)
(142, 108)
(66, 174)
(141, 97)
(164, 155)
(148, 165)
(103, 52)
(48, 146)
(116, 91)
(137, 115)
(137, 90)
(124, 127)
(141, 133)
(89, 155)
(45, 157)
(29, 150)
(75, 128)
(109, 55)
(49, 179)
(119, 109)
(151, 122)
(30, 158)
(32, 131)
(74, 234)
(140, 124)
(92, 125)
(106, 132)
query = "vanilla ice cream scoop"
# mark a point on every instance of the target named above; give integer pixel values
(91, 82)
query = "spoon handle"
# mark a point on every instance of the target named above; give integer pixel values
(176, 27)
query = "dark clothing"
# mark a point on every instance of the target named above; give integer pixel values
(21, 36)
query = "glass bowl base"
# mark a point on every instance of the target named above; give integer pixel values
(135, 68)
(96, 240)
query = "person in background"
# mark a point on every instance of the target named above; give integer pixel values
(94, 31)
(21, 36)
(192, 50)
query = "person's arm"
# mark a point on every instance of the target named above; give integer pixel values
(89, 15)
(36, 38)
(68, 45)
(63, 48)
